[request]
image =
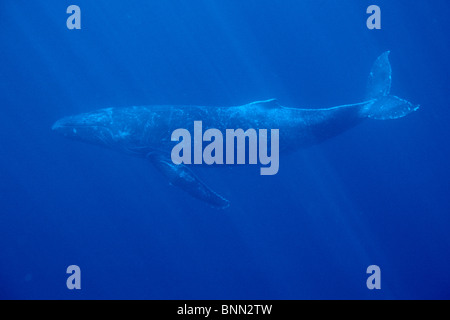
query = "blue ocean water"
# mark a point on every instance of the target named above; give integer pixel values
(376, 195)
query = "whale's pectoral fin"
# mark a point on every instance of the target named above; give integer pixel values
(181, 176)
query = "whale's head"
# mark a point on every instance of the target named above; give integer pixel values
(98, 127)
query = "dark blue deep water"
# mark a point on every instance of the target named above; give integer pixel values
(378, 194)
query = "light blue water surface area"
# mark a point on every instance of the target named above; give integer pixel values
(378, 194)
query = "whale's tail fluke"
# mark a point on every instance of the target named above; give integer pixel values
(382, 105)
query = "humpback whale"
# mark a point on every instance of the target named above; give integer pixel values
(145, 131)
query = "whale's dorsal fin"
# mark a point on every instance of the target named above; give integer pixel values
(269, 104)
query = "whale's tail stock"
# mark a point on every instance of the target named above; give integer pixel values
(382, 105)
